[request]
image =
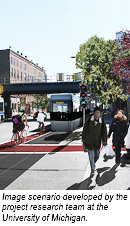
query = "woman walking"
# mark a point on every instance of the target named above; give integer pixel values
(119, 127)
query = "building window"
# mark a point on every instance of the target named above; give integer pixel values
(17, 63)
(28, 77)
(18, 74)
(14, 72)
(34, 71)
(24, 76)
(14, 61)
(21, 76)
(24, 66)
(21, 65)
(11, 60)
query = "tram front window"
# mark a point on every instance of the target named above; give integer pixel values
(60, 111)
(60, 108)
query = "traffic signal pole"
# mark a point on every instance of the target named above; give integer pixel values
(83, 102)
(83, 116)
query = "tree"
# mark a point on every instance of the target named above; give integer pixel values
(95, 57)
(41, 101)
(121, 65)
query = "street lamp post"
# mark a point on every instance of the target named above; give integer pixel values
(73, 58)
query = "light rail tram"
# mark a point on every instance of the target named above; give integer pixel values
(65, 112)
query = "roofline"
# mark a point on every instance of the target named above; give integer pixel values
(10, 50)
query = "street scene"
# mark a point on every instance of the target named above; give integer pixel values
(64, 112)
(64, 95)
(55, 161)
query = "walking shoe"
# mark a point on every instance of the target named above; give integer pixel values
(92, 174)
(95, 174)
(122, 165)
(94, 177)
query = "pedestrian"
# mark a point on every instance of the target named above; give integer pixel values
(94, 131)
(125, 159)
(128, 140)
(119, 127)
(40, 119)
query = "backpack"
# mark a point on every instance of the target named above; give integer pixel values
(16, 119)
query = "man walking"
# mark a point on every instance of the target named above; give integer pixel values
(94, 132)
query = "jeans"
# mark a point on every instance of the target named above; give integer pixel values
(93, 157)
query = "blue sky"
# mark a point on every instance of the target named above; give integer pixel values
(49, 32)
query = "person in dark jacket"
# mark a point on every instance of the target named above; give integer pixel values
(94, 131)
(119, 127)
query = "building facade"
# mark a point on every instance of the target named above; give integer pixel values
(15, 68)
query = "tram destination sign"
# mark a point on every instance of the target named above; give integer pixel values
(59, 102)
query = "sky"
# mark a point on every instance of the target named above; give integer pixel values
(49, 32)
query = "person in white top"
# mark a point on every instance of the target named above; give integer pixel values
(128, 140)
(40, 119)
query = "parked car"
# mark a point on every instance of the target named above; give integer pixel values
(36, 114)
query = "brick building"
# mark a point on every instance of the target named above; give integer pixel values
(15, 68)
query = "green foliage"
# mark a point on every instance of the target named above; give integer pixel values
(95, 58)
(121, 65)
(41, 101)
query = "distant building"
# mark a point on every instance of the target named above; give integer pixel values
(15, 68)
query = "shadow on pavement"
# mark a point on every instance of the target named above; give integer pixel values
(86, 183)
(47, 128)
(5, 146)
(58, 137)
(57, 149)
(106, 177)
